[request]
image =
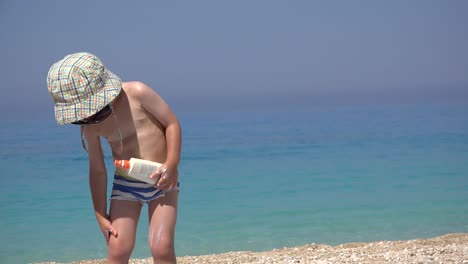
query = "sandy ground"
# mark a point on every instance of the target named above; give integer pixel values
(450, 248)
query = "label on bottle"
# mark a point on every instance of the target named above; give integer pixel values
(142, 170)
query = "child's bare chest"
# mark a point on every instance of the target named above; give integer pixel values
(130, 130)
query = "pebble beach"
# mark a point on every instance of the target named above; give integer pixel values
(450, 248)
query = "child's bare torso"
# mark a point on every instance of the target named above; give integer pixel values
(131, 131)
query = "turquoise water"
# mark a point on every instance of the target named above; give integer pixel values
(253, 180)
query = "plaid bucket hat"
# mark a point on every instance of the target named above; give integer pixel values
(80, 86)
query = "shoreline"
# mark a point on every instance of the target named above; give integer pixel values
(449, 248)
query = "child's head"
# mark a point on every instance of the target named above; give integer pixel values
(80, 86)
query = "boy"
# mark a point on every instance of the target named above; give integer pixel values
(136, 122)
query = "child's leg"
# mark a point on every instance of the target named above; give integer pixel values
(124, 217)
(163, 216)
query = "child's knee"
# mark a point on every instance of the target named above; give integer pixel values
(120, 249)
(163, 248)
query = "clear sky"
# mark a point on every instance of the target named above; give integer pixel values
(225, 54)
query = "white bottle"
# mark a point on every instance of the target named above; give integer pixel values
(139, 169)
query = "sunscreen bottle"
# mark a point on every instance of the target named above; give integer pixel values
(139, 169)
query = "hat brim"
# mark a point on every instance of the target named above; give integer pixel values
(66, 114)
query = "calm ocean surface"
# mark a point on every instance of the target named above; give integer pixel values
(253, 180)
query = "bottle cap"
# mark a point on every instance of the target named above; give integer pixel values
(123, 164)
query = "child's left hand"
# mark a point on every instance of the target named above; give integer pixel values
(168, 177)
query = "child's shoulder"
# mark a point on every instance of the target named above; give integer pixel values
(136, 88)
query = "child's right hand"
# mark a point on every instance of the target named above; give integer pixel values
(106, 228)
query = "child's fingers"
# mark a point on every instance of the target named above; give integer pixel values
(155, 175)
(113, 232)
(165, 182)
(162, 169)
(110, 231)
(162, 180)
(158, 172)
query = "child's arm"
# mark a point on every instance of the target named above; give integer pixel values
(156, 106)
(98, 182)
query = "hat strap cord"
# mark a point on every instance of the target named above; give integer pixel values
(116, 122)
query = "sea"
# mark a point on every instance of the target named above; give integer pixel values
(252, 179)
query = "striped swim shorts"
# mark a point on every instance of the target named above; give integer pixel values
(134, 190)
